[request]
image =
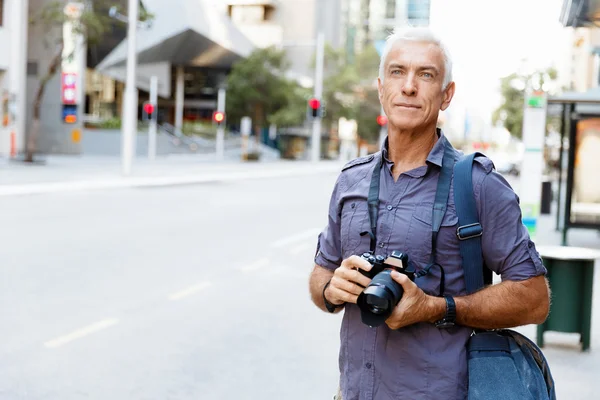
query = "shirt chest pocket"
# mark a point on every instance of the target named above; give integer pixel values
(420, 231)
(354, 220)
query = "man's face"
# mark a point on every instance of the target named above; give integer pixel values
(411, 93)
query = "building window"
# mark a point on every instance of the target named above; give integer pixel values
(390, 9)
(418, 10)
(1, 12)
(247, 14)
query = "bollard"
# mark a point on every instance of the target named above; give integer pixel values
(546, 197)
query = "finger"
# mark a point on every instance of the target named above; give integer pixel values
(403, 280)
(354, 262)
(347, 286)
(339, 295)
(355, 276)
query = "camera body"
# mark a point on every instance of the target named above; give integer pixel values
(378, 299)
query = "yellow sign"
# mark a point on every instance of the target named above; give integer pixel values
(76, 135)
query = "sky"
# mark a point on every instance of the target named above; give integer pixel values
(488, 39)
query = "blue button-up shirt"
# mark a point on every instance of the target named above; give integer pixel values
(418, 361)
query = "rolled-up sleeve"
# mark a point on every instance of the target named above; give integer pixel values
(507, 247)
(329, 252)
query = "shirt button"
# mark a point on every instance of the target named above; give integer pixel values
(389, 208)
(381, 245)
(368, 365)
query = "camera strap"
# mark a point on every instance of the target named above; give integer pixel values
(439, 207)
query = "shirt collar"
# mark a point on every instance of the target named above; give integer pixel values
(435, 155)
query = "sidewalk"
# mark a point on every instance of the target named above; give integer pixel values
(74, 173)
(575, 372)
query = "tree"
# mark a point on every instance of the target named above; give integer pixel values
(257, 87)
(91, 25)
(339, 84)
(513, 89)
(349, 90)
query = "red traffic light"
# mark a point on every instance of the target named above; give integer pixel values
(149, 108)
(382, 120)
(314, 103)
(218, 116)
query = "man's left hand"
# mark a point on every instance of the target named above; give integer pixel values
(415, 305)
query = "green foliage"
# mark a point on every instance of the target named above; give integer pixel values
(366, 115)
(513, 89)
(294, 113)
(257, 87)
(349, 91)
(93, 24)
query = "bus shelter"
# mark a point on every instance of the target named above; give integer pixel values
(579, 205)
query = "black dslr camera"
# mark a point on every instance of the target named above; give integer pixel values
(378, 300)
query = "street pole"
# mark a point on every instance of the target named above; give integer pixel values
(152, 127)
(129, 129)
(220, 144)
(316, 133)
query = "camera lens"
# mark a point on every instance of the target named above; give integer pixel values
(377, 302)
(378, 299)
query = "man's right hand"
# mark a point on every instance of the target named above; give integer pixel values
(347, 281)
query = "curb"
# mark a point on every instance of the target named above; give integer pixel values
(141, 182)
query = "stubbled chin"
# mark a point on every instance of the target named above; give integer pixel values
(404, 122)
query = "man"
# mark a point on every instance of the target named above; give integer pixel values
(411, 356)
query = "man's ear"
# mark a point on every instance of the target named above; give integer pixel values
(380, 89)
(448, 95)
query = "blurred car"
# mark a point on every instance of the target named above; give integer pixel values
(505, 164)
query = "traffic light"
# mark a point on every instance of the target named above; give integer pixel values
(218, 117)
(149, 111)
(382, 120)
(315, 106)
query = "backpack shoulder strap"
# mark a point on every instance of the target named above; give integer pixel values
(469, 229)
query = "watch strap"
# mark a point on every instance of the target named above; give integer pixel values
(449, 318)
(330, 306)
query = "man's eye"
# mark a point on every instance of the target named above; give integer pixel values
(427, 75)
(395, 72)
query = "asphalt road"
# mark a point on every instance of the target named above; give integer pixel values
(183, 292)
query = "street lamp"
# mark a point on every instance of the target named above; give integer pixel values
(129, 125)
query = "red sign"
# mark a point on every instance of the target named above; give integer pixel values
(69, 88)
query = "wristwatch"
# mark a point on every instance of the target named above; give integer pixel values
(449, 319)
(329, 306)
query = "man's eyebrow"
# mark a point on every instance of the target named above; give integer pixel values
(420, 68)
(428, 67)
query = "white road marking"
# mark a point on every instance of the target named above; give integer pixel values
(301, 248)
(189, 291)
(78, 334)
(311, 233)
(263, 262)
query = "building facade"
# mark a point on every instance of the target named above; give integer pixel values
(291, 25)
(370, 22)
(583, 64)
(13, 66)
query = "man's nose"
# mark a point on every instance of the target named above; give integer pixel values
(409, 87)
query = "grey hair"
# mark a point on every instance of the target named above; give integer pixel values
(416, 34)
